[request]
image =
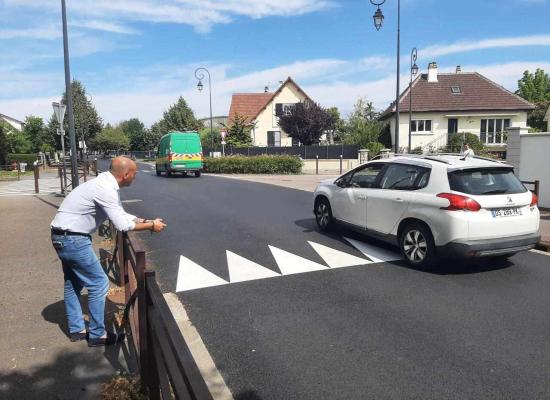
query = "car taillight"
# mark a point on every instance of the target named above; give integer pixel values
(459, 203)
(169, 156)
(534, 199)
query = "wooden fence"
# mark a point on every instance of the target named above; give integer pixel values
(166, 365)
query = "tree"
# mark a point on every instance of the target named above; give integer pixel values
(3, 146)
(456, 141)
(363, 128)
(306, 122)
(19, 143)
(110, 139)
(206, 137)
(238, 133)
(179, 117)
(136, 132)
(534, 87)
(335, 134)
(38, 134)
(86, 120)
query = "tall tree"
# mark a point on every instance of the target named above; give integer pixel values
(238, 133)
(136, 132)
(363, 128)
(86, 119)
(179, 117)
(3, 146)
(306, 121)
(110, 139)
(38, 134)
(534, 87)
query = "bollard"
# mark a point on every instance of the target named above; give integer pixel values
(61, 179)
(341, 163)
(84, 172)
(36, 176)
(317, 164)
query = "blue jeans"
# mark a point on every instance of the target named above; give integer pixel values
(81, 268)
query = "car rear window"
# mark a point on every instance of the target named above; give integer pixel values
(485, 181)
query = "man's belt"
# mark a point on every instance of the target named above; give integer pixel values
(62, 232)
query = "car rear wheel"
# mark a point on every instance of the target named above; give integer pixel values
(323, 214)
(157, 171)
(198, 174)
(417, 246)
(168, 172)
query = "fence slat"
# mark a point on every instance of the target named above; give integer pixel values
(177, 344)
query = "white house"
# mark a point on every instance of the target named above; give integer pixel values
(547, 119)
(446, 103)
(13, 122)
(262, 110)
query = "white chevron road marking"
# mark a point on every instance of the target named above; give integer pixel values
(290, 263)
(193, 276)
(376, 254)
(242, 269)
(337, 258)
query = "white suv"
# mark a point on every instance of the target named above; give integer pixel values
(434, 206)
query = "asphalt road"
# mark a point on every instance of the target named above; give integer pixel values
(371, 331)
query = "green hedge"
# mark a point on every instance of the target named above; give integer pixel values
(22, 158)
(277, 164)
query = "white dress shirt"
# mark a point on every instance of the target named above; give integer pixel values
(91, 203)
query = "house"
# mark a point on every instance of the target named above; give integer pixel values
(447, 103)
(262, 110)
(547, 119)
(13, 122)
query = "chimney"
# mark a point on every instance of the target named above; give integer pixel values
(458, 69)
(432, 72)
(266, 89)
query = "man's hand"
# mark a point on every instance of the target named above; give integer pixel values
(158, 225)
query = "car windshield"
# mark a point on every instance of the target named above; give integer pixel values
(485, 181)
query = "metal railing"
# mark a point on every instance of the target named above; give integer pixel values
(83, 172)
(166, 365)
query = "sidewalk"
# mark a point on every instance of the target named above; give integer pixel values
(37, 360)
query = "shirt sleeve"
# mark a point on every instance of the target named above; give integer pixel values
(109, 202)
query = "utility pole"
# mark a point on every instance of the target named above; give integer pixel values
(68, 94)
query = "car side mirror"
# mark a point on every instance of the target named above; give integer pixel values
(341, 183)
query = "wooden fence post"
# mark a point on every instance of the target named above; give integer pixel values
(144, 349)
(122, 267)
(537, 185)
(36, 176)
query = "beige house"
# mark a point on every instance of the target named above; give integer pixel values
(447, 103)
(13, 122)
(262, 110)
(547, 119)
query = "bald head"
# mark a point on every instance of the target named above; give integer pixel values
(123, 169)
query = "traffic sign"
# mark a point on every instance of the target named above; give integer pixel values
(223, 133)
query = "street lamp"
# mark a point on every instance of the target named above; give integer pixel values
(414, 71)
(378, 18)
(69, 96)
(200, 76)
(59, 110)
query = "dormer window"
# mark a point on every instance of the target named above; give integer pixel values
(455, 89)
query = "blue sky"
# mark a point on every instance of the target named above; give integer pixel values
(135, 57)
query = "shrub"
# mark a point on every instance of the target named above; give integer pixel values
(22, 158)
(264, 164)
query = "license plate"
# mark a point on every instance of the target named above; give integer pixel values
(506, 212)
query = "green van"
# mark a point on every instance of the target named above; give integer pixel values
(179, 152)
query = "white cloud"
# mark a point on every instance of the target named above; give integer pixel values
(105, 26)
(461, 47)
(47, 33)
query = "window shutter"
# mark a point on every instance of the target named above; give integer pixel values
(278, 109)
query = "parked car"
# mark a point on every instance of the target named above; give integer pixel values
(434, 206)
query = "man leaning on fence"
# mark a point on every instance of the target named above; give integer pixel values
(79, 215)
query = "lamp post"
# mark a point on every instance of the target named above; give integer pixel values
(200, 76)
(414, 71)
(378, 18)
(69, 96)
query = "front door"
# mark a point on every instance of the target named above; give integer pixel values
(452, 126)
(386, 205)
(350, 199)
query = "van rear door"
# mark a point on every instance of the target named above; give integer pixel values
(187, 151)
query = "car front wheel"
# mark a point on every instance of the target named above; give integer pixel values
(323, 215)
(417, 246)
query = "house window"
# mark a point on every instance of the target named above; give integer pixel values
(273, 138)
(493, 130)
(421, 126)
(283, 108)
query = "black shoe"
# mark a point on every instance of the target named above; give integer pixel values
(111, 339)
(78, 336)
